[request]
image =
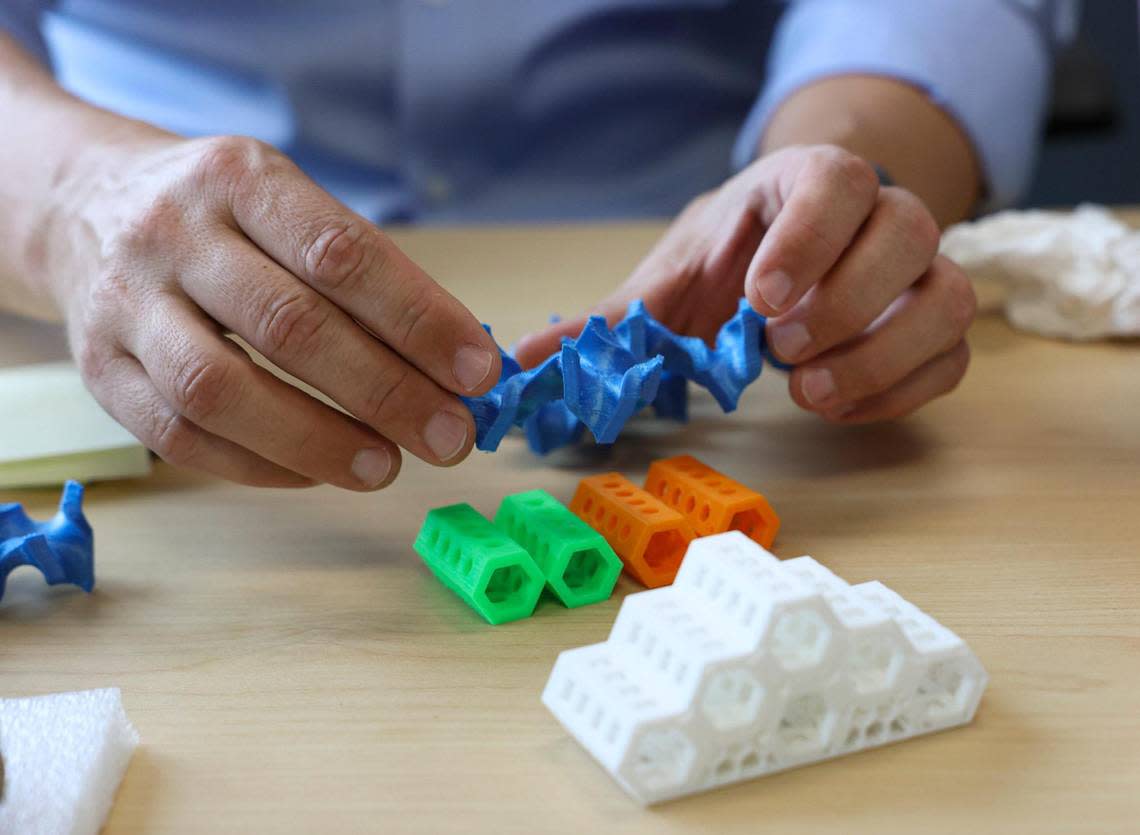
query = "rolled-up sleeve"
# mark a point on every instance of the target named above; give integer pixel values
(21, 20)
(987, 63)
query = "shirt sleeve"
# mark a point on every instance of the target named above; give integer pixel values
(21, 20)
(987, 63)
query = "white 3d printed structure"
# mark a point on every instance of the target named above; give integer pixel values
(748, 665)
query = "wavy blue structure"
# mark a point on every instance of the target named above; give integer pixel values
(63, 548)
(601, 379)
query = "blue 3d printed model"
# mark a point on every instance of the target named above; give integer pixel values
(62, 549)
(601, 379)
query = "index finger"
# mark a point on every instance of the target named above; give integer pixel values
(831, 195)
(357, 267)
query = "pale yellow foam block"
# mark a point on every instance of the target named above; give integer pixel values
(51, 429)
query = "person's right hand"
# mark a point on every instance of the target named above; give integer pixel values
(168, 248)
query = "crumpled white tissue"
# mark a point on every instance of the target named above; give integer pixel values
(1073, 275)
(64, 757)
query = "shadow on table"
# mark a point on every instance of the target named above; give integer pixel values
(786, 447)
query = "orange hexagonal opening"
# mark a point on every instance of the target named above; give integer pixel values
(664, 551)
(752, 524)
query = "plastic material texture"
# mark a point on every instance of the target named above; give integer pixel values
(64, 757)
(602, 378)
(649, 536)
(487, 569)
(713, 503)
(747, 665)
(579, 565)
(63, 548)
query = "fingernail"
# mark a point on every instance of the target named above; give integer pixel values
(818, 386)
(472, 365)
(371, 466)
(446, 435)
(774, 288)
(789, 340)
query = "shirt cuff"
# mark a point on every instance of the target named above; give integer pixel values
(984, 63)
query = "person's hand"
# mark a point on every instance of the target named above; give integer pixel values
(848, 272)
(170, 247)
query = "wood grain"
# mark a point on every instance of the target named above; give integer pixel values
(293, 668)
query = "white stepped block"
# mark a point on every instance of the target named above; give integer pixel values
(748, 665)
(64, 755)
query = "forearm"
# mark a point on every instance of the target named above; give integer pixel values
(50, 140)
(891, 124)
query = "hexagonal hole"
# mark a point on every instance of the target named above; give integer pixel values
(799, 639)
(585, 571)
(663, 759)
(806, 725)
(665, 550)
(732, 699)
(748, 522)
(506, 584)
(945, 690)
(875, 663)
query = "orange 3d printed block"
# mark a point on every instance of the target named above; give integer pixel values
(712, 503)
(650, 537)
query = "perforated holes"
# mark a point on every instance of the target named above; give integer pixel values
(588, 505)
(690, 504)
(675, 498)
(625, 494)
(874, 663)
(799, 639)
(945, 690)
(732, 699)
(706, 511)
(625, 532)
(662, 760)
(806, 725)
(612, 484)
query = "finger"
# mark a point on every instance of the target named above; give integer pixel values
(830, 196)
(924, 322)
(210, 382)
(355, 265)
(128, 395)
(892, 250)
(935, 378)
(314, 340)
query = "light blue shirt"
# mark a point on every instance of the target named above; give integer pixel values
(461, 110)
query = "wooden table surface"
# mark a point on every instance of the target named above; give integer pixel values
(293, 667)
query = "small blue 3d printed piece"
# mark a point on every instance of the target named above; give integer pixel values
(62, 548)
(672, 400)
(602, 378)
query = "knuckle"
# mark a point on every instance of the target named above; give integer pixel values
(915, 223)
(388, 400)
(339, 256)
(292, 323)
(962, 305)
(851, 171)
(415, 312)
(173, 440)
(231, 159)
(202, 388)
(92, 358)
(872, 377)
(960, 358)
(150, 229)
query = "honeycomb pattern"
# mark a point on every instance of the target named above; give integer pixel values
(747, 665)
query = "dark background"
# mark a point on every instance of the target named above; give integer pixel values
(1092, 149)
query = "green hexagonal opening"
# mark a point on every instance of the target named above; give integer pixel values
(589, 577)
(507, 585)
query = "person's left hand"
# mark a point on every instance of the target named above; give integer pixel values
(848, 272)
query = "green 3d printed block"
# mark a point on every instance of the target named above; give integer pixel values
(485, 567)
(579, 565)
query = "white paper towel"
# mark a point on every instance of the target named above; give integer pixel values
(64, 757)
(1073, 275)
